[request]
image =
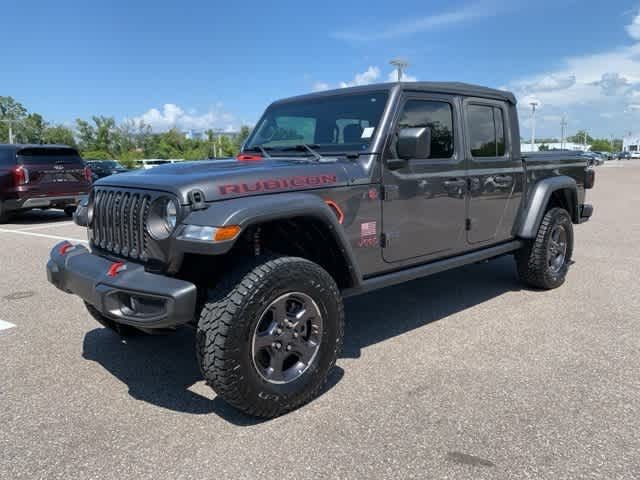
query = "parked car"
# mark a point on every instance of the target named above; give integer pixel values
(623, 155)
(335, 194)
(104, 168)
(149, 163)
(593, 158)
(635, 154)
(41, 176)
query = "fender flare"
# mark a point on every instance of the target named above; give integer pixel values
(248, 211)
(538, 199)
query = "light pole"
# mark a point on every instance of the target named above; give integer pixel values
(400, 65)
(563, 127)
(534, 105)
(10, 122)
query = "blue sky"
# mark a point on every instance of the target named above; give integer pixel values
(202, 64)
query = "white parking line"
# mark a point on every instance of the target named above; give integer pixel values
(50, 225)
(5, 325)
(42, 235)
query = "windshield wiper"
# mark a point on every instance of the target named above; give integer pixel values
(308, 148)
(261, 149)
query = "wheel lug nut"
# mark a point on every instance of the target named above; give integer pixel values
(279, 331)
(288, 348)
(295, 334)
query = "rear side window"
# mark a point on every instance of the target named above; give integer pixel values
(486, 131)
(438, 117)
(41, 156)
(6, 158)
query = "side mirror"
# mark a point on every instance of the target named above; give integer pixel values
(414, 143)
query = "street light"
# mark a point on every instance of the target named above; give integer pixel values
(563, 127)
(10, 121)
(400, 64)
(534, 105)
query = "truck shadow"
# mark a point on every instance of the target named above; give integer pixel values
(386, 313)
(36, 217)
(162, 370)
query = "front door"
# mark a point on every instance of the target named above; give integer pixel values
(424, 201)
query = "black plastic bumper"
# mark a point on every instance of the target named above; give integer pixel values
(585, 212)
(130, 296)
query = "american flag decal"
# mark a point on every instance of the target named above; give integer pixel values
(368, 229)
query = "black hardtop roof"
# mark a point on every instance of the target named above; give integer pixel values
(20, 146)
(455, 88)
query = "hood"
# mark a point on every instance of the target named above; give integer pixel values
(225, 179)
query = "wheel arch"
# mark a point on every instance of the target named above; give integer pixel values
(313, 230)
(561, 191)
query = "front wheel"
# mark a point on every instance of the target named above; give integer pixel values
(269, 335)
(544, 261)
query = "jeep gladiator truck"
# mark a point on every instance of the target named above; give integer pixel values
(334, 194)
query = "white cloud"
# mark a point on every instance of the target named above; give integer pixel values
(320, 86)
(466, 13)
(613, 84)
(370, 75)
(173, 116)
(551, 83)
(634, 28)
(393, 77)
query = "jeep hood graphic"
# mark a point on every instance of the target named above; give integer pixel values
(225, 179)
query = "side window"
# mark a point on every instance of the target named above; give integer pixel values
(438, 117)
(486, 131)
(6, 158)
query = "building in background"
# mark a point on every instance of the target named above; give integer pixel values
(631, 142)
(577, 147)
(203, 134)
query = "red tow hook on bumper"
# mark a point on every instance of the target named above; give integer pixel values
(65, 247)
(116, 268)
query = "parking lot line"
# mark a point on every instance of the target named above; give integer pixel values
(5, 325)
(39, 227)
(42, 235)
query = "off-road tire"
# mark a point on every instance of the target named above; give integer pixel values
(228, 321)
(119, 328)
(532, 260)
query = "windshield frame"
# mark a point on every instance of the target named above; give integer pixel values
(337, 148)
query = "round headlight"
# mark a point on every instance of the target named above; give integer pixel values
(171, 213)
(163, 218)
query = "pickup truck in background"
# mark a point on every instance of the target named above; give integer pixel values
(334, 194)
(41, 176)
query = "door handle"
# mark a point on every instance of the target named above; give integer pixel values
(503, 180)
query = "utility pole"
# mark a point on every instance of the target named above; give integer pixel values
(400, 65)
(563, 128)
(9, 121)
(585, 140)
(533, 104)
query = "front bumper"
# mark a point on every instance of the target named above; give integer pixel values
(132, 296)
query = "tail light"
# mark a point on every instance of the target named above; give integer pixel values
(589, 177)
(88, 174)
(20, 175)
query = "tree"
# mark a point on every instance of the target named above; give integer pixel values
(31, 129)
(543, 147)
(579, 137)
(59, 134)
(601, 145)
(242, 136)
(11, 114)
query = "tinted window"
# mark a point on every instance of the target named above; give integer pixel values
(486, 131)
(6, 157)
(35, 156)
(336, 124)
(438, 117)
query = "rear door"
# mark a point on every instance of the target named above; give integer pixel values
(7, 163)
(53, 171)
(495, 170)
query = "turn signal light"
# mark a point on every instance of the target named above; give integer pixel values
(20, 175)
(226, 233)
(248, 156)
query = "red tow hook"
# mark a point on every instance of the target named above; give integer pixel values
(116, 268)
(65, 247)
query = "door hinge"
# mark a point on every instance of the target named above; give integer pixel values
(467, 224)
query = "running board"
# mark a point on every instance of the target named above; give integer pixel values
(412, 273)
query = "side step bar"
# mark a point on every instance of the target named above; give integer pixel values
(412, 273)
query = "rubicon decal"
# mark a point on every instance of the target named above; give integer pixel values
(278, 184)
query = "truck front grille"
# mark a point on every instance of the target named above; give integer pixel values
(119, 222)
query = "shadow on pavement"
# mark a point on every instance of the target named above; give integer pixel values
(35, 217)
(161, 369)
(389, 312)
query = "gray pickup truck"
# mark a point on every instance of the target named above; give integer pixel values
(334, 194)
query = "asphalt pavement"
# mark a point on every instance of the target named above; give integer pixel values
(463, 375)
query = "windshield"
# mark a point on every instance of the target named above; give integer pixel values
(340, 123)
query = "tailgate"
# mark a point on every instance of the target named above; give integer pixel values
(54, 170)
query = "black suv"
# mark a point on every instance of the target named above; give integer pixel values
(104, 168)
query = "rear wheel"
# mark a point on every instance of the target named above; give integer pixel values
(269, 335)
(544, 261)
